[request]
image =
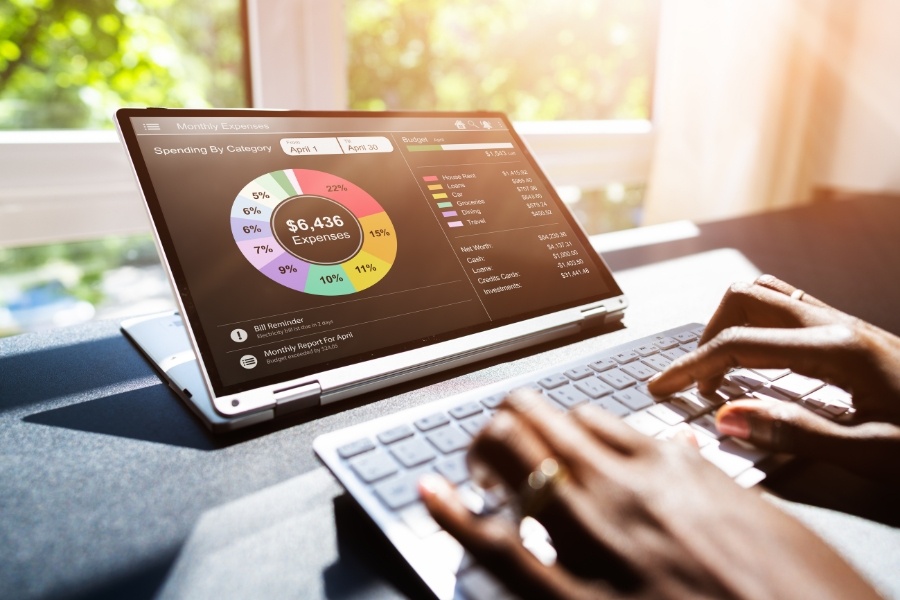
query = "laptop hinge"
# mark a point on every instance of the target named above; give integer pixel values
(296, 398)
(594, 315)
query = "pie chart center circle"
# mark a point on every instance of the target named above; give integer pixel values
(317, 230)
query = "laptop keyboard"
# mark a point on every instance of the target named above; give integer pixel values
(380, 461)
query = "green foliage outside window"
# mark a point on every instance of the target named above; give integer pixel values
(535, 59)
(70, 63)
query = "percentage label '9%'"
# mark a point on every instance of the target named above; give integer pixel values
(287, 269)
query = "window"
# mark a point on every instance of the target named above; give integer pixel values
(536, 60)
(69, 65)
(576, 74)
(65, 66)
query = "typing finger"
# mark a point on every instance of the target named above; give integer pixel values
(828, 352)
(495, 544)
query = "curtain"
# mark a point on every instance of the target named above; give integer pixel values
(740, 107)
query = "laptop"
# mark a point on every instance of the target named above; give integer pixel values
(317, 256)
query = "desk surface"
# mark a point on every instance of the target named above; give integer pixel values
(109, 487)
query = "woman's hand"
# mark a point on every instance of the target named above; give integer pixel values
(630, 516)
(771, 324)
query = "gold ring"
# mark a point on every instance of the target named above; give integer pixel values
(540, 486)
(798, 294)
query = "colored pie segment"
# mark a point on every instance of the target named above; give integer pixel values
(313, 232)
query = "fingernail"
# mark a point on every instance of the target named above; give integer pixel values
(733, 423)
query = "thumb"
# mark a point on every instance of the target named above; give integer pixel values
(790, 428)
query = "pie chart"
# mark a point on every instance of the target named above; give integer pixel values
(313, 232)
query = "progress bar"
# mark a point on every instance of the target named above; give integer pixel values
(438, 147)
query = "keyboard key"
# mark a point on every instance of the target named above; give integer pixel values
(610, 405)
(465, 410)
(750, 477)
(664, 342)
(453, 468)
(400, 491)
(473, 425)
(354, 448)
(765, 392)
(412, 452)
(832, 394)
(689, 347)
(617, 379)
(593, 387)
(702, 438)
(667, 413)
(604, 364)
(731, 389)
(448, 439)
(645, 350)
(731, 458)
(747, 379)
(579, 373)
(796, 386)
(706, 425)
(419, 520)
(658, 362)
(431, 421)
(633, 399)
(527, 386)
(395, 434)
(834, 410)
(625, 357)
(716, 398)
(568, 396)
(373, 466)
(771, 374)
(494, 401)
(685, 337)
(639, 371)
(674, 353)
(553, 381)
(645, 423)
(694, 404)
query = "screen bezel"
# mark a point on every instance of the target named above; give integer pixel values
(181, 289)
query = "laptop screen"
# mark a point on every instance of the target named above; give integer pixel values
(300, 242)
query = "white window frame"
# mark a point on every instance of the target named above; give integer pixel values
(73, 185)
